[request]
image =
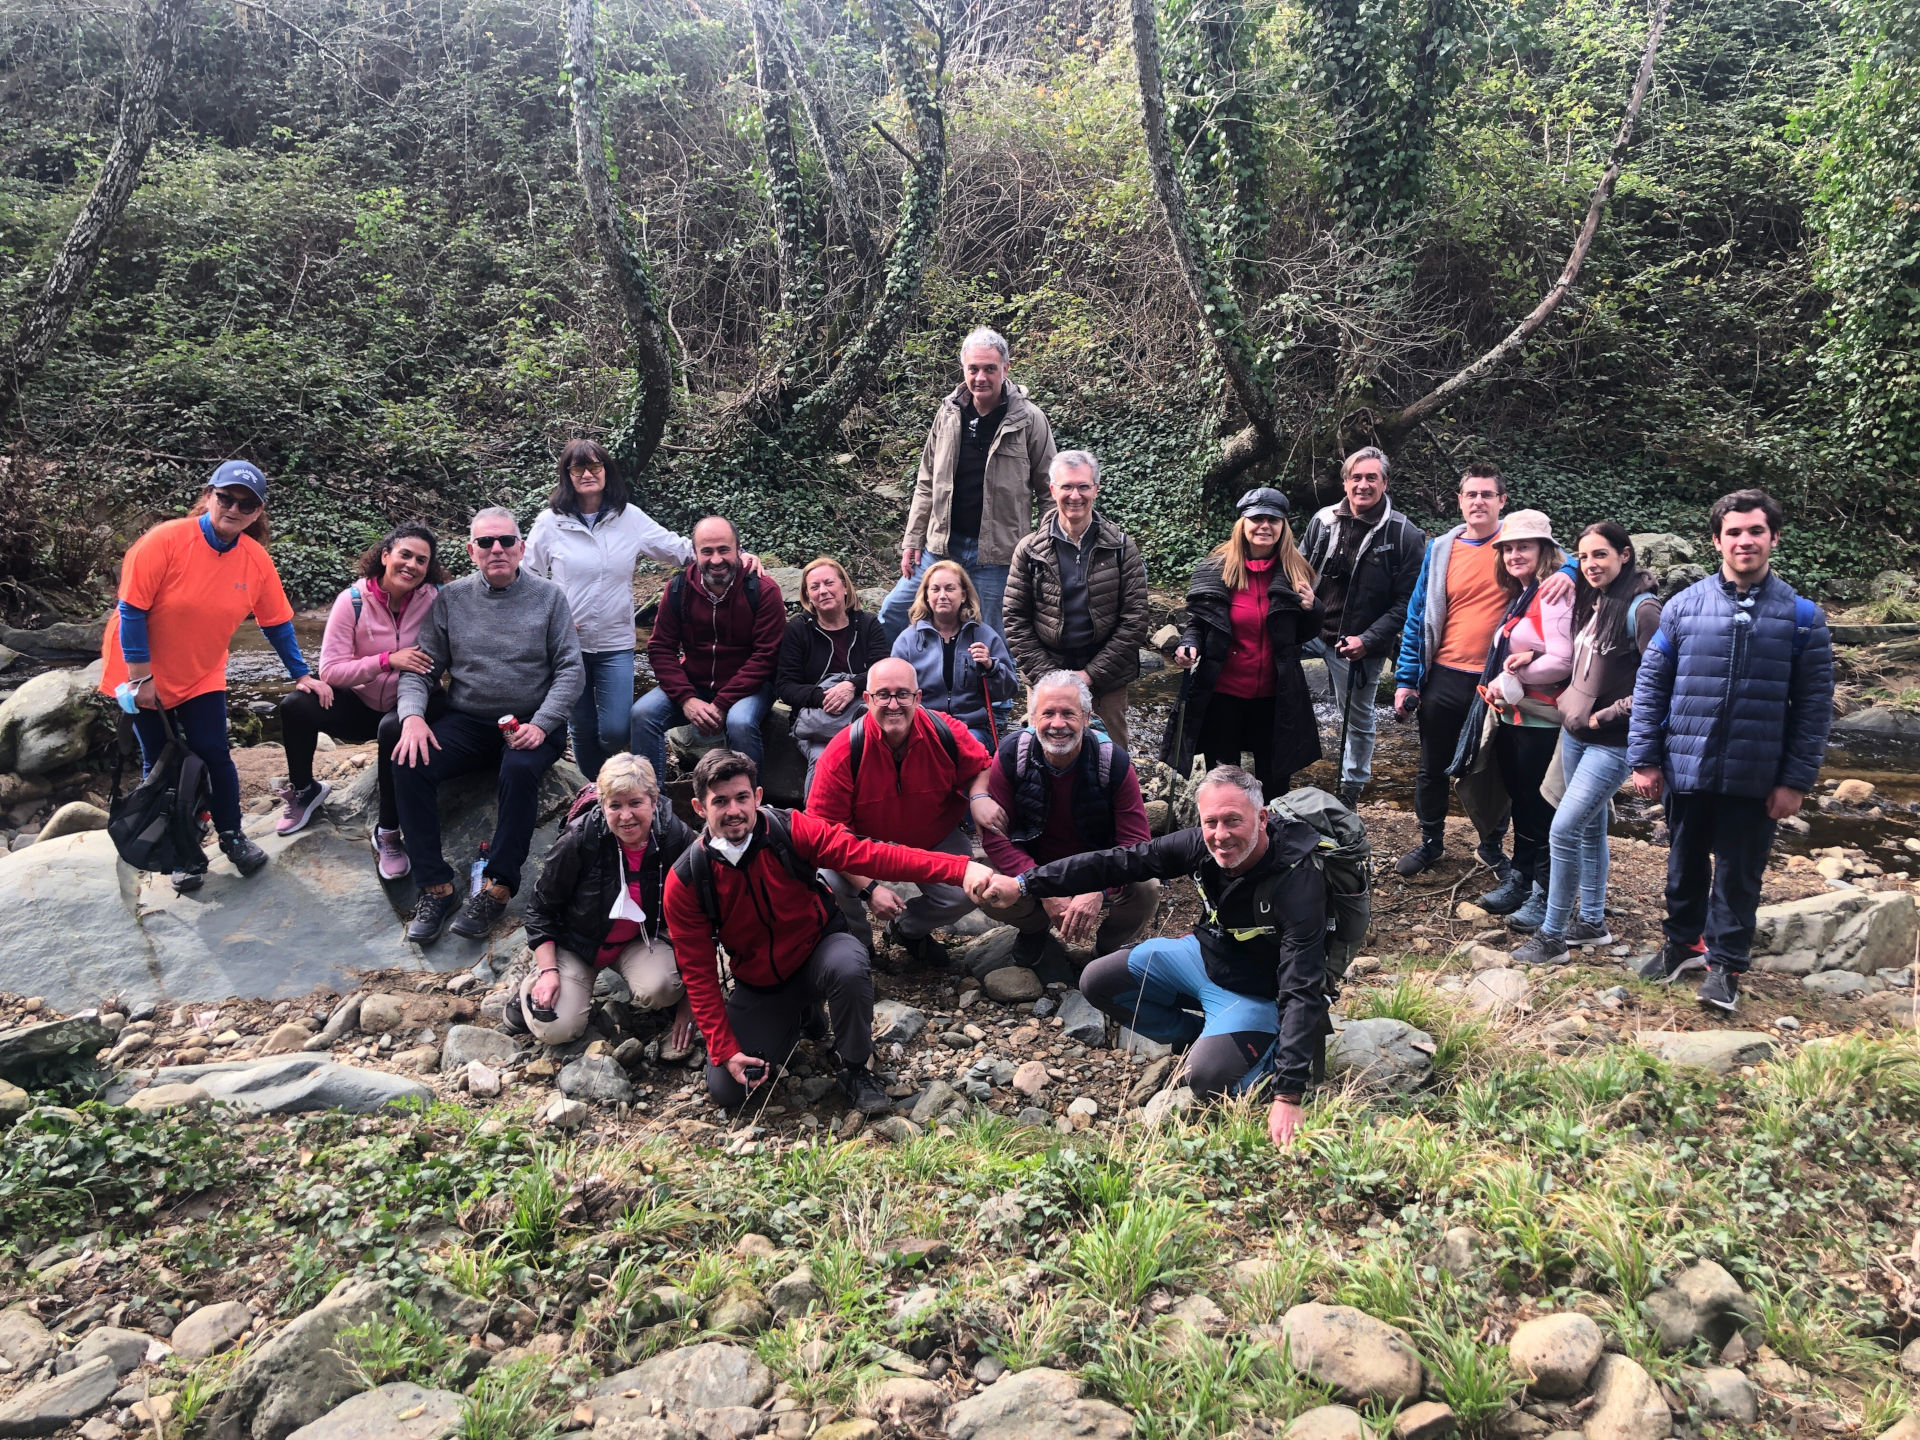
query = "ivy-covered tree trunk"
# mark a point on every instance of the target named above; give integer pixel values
(793, 242)
(159, 32)
(639, 435)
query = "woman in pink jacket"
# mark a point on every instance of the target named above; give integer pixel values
(1527, 668)
(369, 641)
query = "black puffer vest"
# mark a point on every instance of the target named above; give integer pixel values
(1033, 789)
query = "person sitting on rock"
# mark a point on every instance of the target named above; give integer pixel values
(824, 658)
(368, 646)
(1256, 965)
(751, 883)
(597, 905)
(714, 643)
(961, 663)
(905, 775)
(1065, 793)
(505, 641)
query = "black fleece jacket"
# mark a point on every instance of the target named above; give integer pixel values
(573, 899)
(806, 651)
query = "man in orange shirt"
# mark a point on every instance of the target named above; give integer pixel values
(1455, 608)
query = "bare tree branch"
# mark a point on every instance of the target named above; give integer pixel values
(826, 134)
(646, 422)
(161, 23)
(1396, 426)
(793, 245)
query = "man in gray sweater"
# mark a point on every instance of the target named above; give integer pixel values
(505, 641)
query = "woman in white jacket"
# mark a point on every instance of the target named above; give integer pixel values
(587, 542)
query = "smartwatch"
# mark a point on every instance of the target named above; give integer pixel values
(866, 895)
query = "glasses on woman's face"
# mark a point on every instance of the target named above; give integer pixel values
(243, 502)
(1262, 522)
(584, 470)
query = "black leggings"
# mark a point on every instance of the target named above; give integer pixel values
(1213, 1062)
(303, 720)
(1233, 725)
(1523, 753)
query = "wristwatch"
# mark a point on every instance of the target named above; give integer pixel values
(866, 895)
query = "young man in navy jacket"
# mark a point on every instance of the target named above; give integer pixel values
(1730, 718)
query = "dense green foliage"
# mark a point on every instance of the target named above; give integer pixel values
(359, 255)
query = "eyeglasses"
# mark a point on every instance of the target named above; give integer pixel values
(589, 469)
(893, 697)
(505, 542)
(246, 502)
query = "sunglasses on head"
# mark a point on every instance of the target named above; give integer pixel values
(246, 502)
(505, 542)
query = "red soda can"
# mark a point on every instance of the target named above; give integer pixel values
(508, 724)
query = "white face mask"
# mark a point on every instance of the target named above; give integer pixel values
(733, 850)
(625, 907)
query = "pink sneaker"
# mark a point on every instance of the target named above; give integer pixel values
(300, 805)
(390, 856)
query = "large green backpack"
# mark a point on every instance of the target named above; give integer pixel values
(1345, 858)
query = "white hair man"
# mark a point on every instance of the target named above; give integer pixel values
(982, 471)
(1077, 594)
(1066, 792)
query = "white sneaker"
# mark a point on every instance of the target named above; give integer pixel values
(389, 855)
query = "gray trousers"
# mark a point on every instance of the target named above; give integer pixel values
(933, 907)
(767, 1022)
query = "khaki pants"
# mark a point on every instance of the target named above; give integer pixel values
(1122, 921)
(1110, 706)
(647, 967)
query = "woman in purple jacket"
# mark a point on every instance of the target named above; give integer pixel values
(369, 641)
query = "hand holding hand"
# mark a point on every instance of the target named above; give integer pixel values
(1184, 656)
(1002, 892)
(1283, 1121)
(318, 688)
(416, 739)
(1648, 783)
(1783, 803)
(411, 658)
(705, 716)
(988, 815)
(528, 737)
(837, 699)
(546, 990)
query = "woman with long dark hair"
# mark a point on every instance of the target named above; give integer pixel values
(1615, 617)
(185, 587)
(369, 641)
(587, 542)
(1527, 666)
(1250, 607)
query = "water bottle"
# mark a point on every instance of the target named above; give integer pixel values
(479, 872)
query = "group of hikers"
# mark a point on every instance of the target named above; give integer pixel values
(1540, 683)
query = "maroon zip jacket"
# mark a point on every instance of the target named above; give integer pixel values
(726, 650)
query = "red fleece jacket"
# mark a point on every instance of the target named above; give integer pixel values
(770, 921)
(917, 799)
(727, 649)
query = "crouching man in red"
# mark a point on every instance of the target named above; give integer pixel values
(750, 883)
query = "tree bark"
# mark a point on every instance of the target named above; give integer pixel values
(161, 23)
(639, 435)
(792, 244)
(1395, 427)
(826, 135)
(817, 418)
(1212, 292)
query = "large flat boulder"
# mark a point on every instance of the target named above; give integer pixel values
(1380, 1053)
(1037, 1404)
(291, 1084)
(709, 1376)
(56, 1403)
(398, 1411)
(297, 1375)
(52, 721)
(29, 1052)
(1856, 930)
(1721, 1051)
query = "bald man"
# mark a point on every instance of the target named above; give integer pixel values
(904, 775)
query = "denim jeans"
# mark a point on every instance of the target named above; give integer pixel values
(989, 580)
(1357, 764)
(602, 718)
(654, 713)
(1578, 839)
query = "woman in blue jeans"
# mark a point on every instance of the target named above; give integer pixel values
(1615, 617)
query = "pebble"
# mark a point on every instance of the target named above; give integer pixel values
(1787, 1022)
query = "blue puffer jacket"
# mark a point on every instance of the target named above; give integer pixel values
(1732, 702)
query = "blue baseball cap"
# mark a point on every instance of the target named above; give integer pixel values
(242, 473)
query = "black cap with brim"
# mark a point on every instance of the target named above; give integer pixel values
(1263, 500)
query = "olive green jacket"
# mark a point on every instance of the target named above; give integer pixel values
(1016, 479)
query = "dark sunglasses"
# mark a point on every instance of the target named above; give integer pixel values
(505, 542)
(246, 502)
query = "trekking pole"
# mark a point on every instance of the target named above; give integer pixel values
(1346, 719)
(992, 729)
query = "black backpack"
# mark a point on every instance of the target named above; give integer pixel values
(677, 597)
(695, 868)
(857, 746)
(157, 825)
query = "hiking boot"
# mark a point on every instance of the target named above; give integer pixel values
(246, 856)
(430, 915)
(1585, 932)
(1489, 854)
(923, 949)
(513, 1015)
(300, 805)
(1533, 914)
(185, 882)
(1540, 948)
(476, 917)
(1508, 896)
(1721, 990)
(1674, 960)
(389, 855)
(864, 1090)
(1423, 856)
(1350, 793)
